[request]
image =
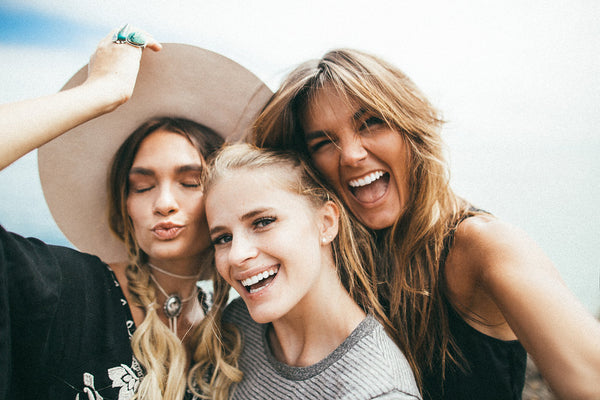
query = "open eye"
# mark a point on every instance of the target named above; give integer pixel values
(264, 221)
(222, 239)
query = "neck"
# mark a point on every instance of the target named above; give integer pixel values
(180, 313)
(313, 330)
(176, 268)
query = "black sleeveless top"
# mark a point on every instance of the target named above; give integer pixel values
(492, 369)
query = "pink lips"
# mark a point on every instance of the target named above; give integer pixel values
(167, 230)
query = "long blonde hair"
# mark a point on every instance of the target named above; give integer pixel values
(158, 350)
(218, 355)
(409, 253)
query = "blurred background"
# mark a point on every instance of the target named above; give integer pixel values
(518, 83)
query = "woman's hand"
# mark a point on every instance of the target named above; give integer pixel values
(113, 68)
(112, 72)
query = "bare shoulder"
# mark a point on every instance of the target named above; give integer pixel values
(488, 257)
(485, 244)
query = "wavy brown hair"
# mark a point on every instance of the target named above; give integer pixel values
(409, 253)
(351, 253)
(158, 350)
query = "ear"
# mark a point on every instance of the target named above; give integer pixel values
(329, 218)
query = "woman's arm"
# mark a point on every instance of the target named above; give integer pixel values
(28, 124)
(553, 326)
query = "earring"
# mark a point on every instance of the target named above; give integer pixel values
(324, 240)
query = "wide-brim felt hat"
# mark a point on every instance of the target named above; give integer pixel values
(179, 81)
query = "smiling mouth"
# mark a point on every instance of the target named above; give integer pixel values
(371, 187)
(258, 282)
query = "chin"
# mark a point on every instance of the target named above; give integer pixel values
(378, 222)
(263, 316)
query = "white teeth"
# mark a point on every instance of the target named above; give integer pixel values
(372, 177)
(259, 277)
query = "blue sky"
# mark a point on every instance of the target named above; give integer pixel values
(35, 28)
(518, 83)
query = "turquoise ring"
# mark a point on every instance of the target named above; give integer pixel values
(136, 39)
(121, 36)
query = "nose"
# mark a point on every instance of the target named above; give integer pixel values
(352, 151)
(165, 203)
(242, 249)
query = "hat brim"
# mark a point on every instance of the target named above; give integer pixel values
(179, 81)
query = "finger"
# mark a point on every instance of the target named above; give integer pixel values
(151, 43)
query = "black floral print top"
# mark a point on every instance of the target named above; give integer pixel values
(65, 325)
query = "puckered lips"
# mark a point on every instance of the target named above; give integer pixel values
(371, 187)
(167, 230)
(261, 280)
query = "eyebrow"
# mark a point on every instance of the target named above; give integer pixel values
(318, 134)
(245, 217)
(179, 170)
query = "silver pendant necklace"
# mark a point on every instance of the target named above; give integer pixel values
(173, 303)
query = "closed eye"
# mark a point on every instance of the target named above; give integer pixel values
(319, 143)
(142, 189)
(190, 185)
(371, 122)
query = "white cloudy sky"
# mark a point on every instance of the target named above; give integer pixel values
(518, 82)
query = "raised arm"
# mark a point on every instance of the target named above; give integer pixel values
(28, 124)
(549, 321)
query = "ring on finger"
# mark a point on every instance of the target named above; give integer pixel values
(136, 39)
(121, 36)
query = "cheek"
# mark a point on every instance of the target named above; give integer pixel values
(221, 265)
(327, 165)
(133, 208)
(198, 209)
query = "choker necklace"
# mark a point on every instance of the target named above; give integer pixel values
(173, 304)
(174, 275)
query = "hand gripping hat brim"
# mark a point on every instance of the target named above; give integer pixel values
(179, 81)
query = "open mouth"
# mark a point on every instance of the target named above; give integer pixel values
(258, 282)
(371, 187)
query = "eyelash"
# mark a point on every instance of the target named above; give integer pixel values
(316, 146)
(185, 185)
(268, 220)
(142, 190)
(219, 239)
(258, 224)
(367, 123)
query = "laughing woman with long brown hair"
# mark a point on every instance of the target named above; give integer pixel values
(467, 293)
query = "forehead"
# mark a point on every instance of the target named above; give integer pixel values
(163, 144)
(243, 189)
(328, 107)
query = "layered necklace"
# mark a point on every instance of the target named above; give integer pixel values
(174, 303)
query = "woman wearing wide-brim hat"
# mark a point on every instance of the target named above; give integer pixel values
(120, 321)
